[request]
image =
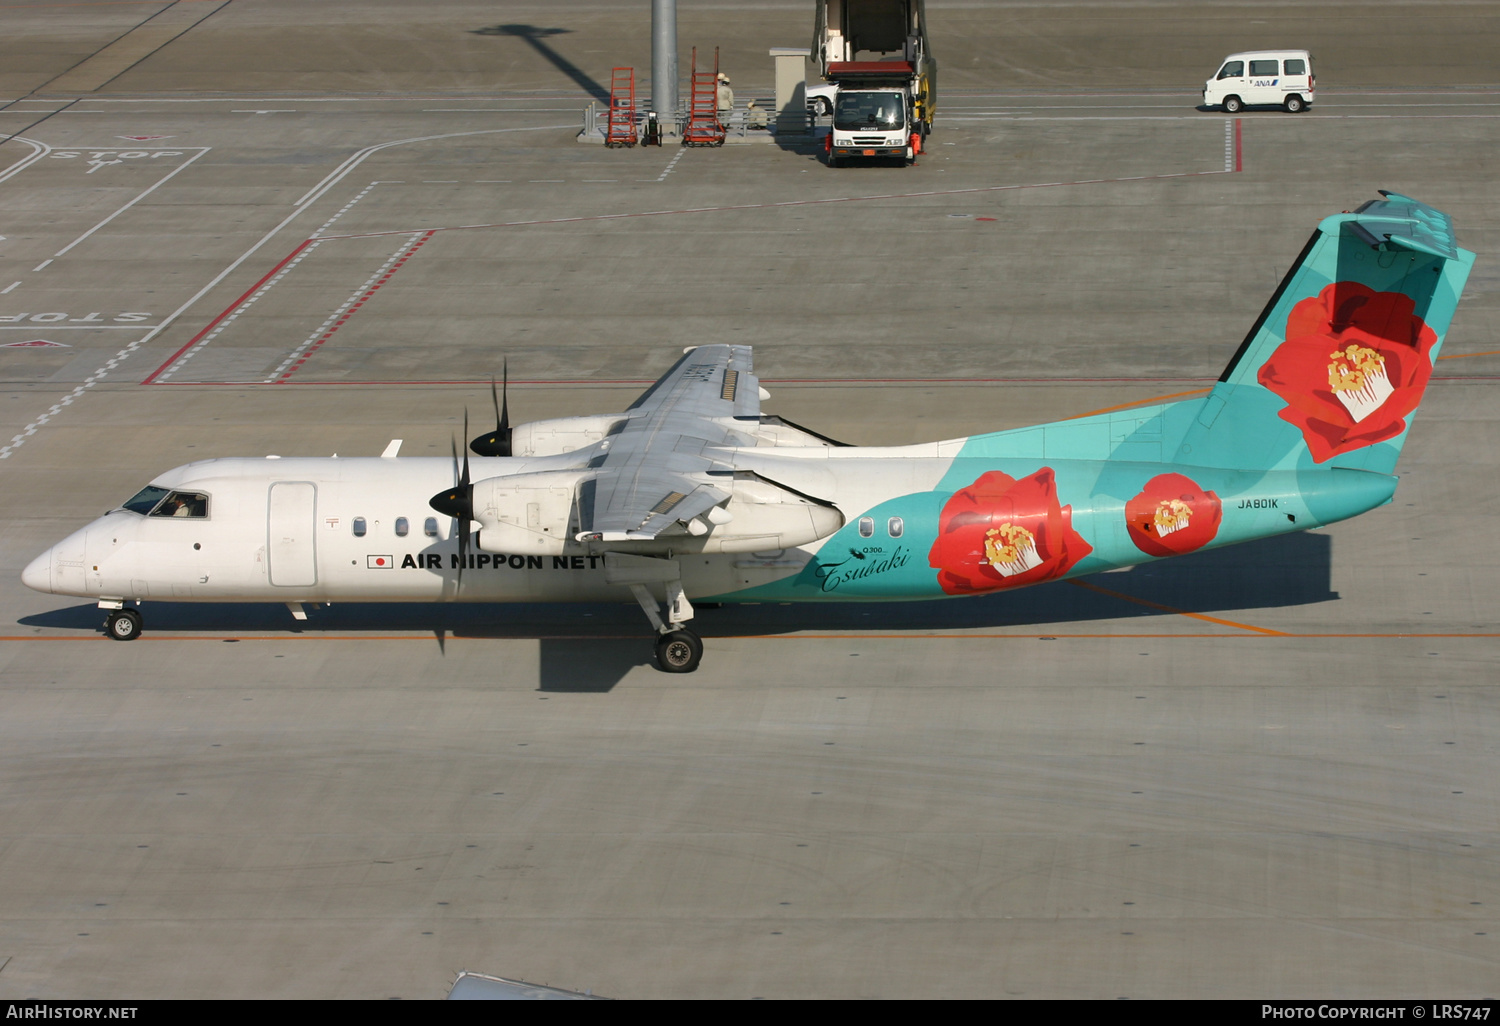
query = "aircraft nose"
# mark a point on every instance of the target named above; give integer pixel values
(38, 573)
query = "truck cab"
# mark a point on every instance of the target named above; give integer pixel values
(871, 122)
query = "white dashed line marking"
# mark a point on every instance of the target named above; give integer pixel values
(673, 164)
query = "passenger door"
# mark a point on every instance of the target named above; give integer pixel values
(291, 539)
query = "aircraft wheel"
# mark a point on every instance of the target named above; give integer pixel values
(1233, 105)
(123, 625)
(679, 652)
(1293, 104)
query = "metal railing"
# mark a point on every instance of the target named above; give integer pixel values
(757, 115)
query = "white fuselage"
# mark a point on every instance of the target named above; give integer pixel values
(331, 529)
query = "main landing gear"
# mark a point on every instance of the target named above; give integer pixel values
(678, 650)
(123, 624)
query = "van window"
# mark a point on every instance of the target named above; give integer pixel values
(1233, 69)
(1262, 68)
(1297, 67)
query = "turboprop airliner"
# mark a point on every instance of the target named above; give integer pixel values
(693, 494)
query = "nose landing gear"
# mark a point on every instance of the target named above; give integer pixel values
(123, 624)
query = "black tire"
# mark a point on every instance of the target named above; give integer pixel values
(821, 107)
(1293, 104)
(833, 162)
(123, 625)
(679, 652)
(1233, 105)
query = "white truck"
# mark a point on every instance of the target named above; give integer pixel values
(876, 53)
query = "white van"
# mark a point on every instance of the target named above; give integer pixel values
(1263, 78)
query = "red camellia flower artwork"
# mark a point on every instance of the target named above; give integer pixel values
(1353, 366)
(1003, 533)
(1172, 515)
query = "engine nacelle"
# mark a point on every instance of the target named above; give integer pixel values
(528, 514)
(562, 435)
(765, 515)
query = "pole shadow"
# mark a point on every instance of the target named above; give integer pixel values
(536, 38)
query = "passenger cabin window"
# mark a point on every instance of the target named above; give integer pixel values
(1296, 67)
(429, 527)
(360, 527)
(895, 527)
(1233, 69)
(402, 526)
(1262, 68)
(866, 527)
(145, 500)
(183, 504)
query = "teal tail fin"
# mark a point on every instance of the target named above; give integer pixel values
(1337, 363)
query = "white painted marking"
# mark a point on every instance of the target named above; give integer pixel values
(354, 160)
(341, 212)
(279, 110)
(145, 138)
(38, 151)
(35, 343)
(43, 264)
(9, 287)
(201, 151)
(680, 154)
(1228, 144)
(405, 249)
(249, 301)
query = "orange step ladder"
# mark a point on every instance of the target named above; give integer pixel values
(704, 127)
(621, 128)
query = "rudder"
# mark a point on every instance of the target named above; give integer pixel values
(1333, 369)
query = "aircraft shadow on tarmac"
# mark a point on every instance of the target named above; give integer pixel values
(591, 647)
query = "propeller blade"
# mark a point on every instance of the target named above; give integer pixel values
(467, 489)
(497, 443)
(458, 503)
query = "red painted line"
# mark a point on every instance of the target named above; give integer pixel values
(227, 311)
(364, 297)
(1238, 149)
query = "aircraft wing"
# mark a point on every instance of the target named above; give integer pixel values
(656, 470)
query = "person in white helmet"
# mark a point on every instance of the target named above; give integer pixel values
(725, 102)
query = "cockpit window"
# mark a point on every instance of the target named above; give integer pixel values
(145, 500)
(183, 504)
